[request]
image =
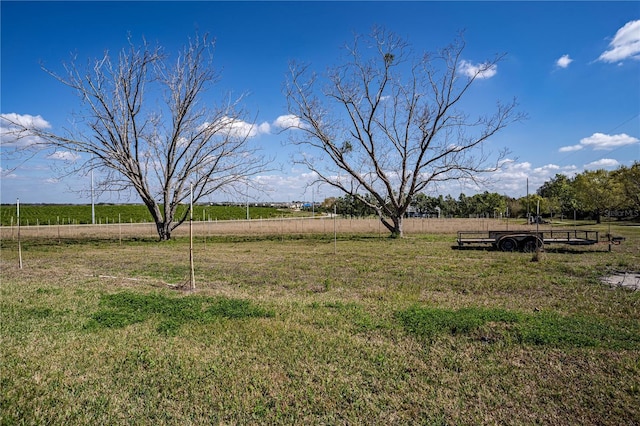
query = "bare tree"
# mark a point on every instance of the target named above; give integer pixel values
(387, 122)
(145, 125)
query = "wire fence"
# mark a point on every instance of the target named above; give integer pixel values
(279, 226)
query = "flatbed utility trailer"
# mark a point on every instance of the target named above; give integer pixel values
(529, 241)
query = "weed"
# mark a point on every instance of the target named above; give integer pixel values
(126, 308)
(542, 329)
(429, 323)
(48, 291)
(114, 319)
(551, 329)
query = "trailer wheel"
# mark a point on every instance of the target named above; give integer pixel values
(508, 244)
(531, 244)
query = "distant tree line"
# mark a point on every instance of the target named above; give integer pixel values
(588, 195)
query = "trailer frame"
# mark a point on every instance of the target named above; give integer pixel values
(529, 241)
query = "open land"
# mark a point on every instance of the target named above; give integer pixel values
(314, 321)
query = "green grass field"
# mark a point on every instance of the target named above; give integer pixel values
(305, 330)
(52, 214)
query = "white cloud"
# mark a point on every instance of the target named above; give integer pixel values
(26, 120)
(294, 185)
(480, 71)
(600, 141)
(12, 136)
(287, 121)
(605, 162)
(64, 156)
(51, 181)
(241, 129)
(512, 178)
(546, 168)
(571, 148)
(625, 44)
(564, 61)
(264, 128)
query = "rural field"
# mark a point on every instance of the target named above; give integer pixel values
(80, 214)
(315, 321)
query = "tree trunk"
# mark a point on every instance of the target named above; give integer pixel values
(164, 232)
(395, 227)
(163, 223)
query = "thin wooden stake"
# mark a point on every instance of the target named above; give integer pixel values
(19, 242)
(335, 232)
(193, 277)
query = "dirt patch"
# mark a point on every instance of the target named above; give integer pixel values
(630, 280)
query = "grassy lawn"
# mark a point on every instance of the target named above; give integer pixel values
(287, 331)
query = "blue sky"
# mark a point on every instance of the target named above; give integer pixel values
(574, 68)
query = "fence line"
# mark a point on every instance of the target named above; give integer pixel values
(270, 226)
